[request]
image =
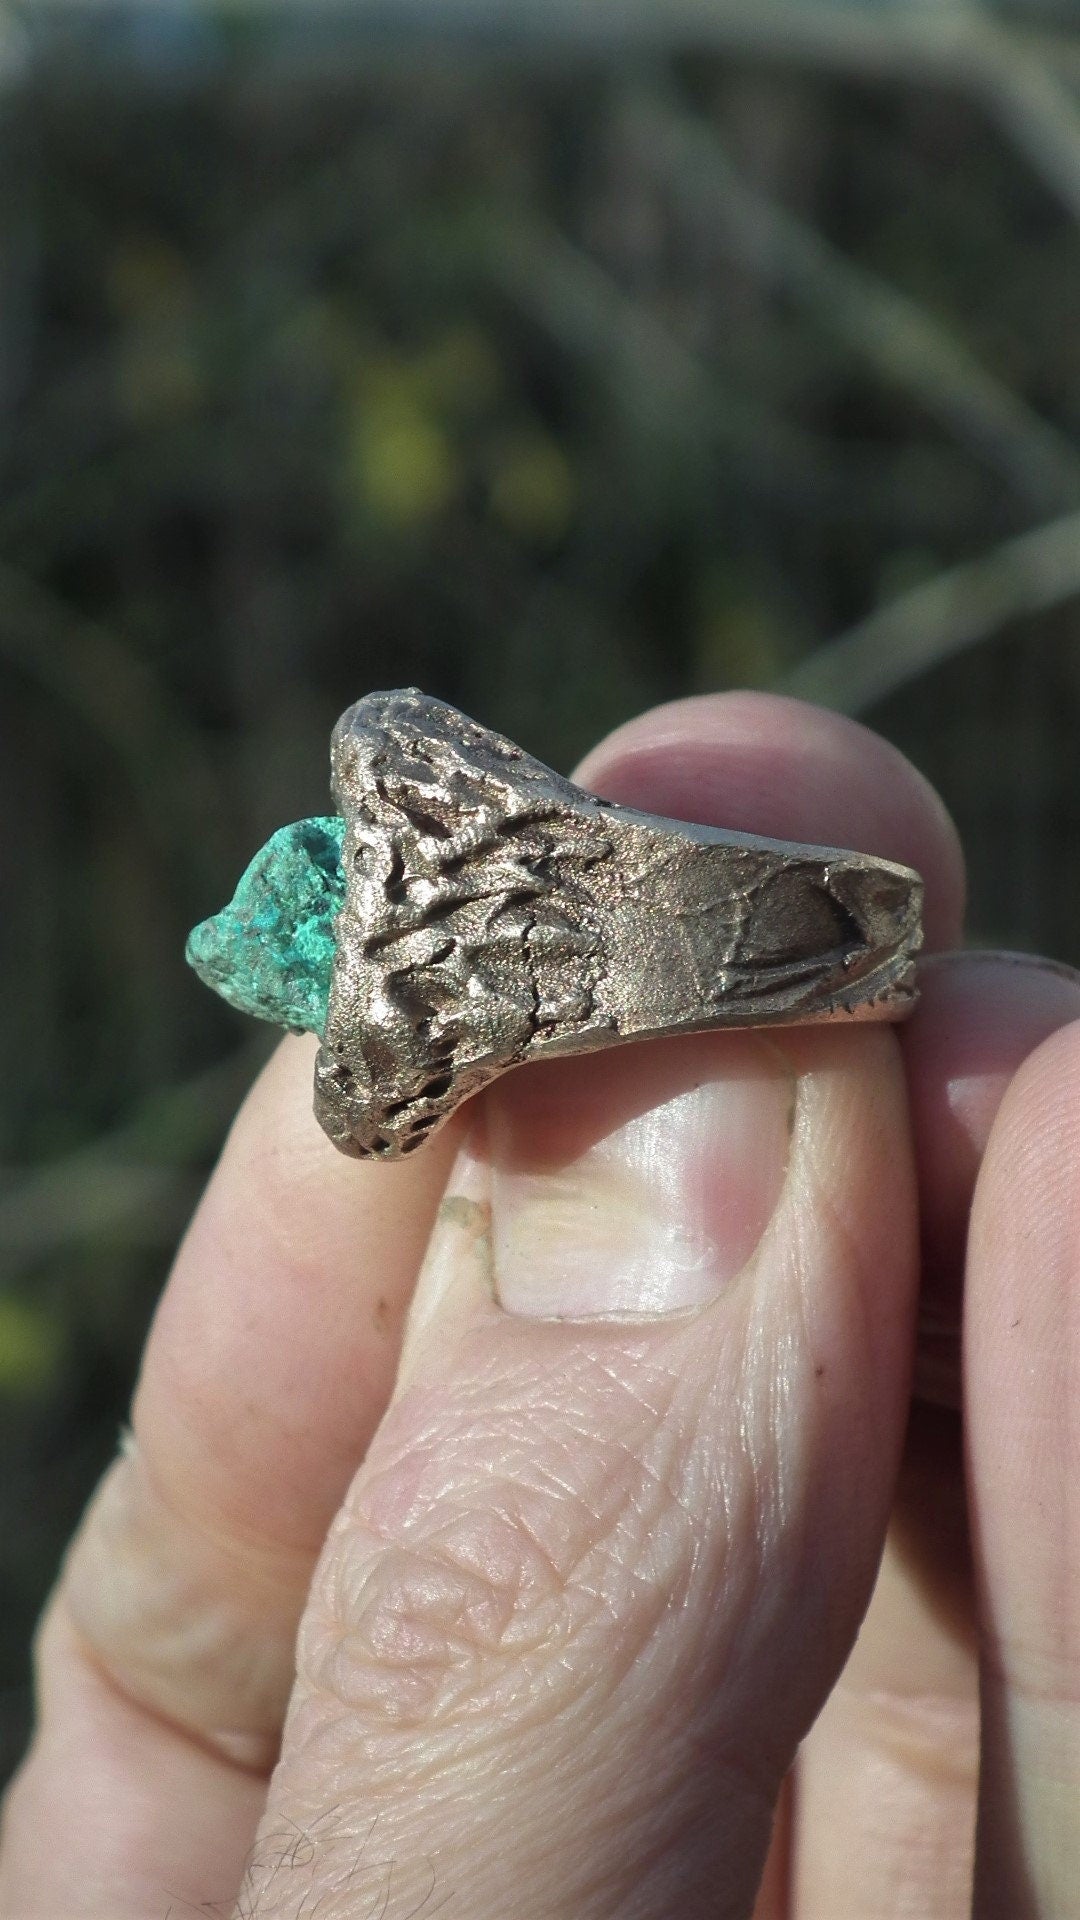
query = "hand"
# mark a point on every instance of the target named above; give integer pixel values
(571, 1593)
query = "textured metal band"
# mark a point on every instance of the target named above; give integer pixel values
(495, 913)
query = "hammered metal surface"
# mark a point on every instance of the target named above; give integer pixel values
(495, 913)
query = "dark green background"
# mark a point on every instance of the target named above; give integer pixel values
(557, 381)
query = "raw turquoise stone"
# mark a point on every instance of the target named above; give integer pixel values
(270, 951)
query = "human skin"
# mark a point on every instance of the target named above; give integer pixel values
(639, 1583)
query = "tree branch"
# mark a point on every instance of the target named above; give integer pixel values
(939, 619)
(903, 343)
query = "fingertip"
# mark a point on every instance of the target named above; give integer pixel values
(275, 1123)
(979, 1018)
(311, 1201)
(1025, 1229)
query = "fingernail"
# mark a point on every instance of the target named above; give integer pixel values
(638, 1187)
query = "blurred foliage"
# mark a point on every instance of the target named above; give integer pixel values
(556, 389)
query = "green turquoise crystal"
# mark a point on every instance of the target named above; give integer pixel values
(270, 951)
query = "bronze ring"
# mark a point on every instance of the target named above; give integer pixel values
(467, 909)
(495, 913)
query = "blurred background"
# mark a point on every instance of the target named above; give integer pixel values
(558, 359)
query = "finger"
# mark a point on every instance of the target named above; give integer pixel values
(266, 1371)
(981, 1014)
(167, 1656)
(1022, 1393)
(118, 1816)
(887, 1778)
(612, 1541)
